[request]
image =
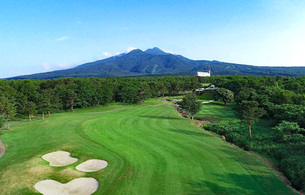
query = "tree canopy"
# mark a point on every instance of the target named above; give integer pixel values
(7, 109)
(224, 95)
(190, 104)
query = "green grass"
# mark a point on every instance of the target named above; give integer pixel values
(150, 150)
(217, 111)
(206, 96)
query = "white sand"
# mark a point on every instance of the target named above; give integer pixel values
(92, 165)
(208, 102)
(80, 186)
(59, 158)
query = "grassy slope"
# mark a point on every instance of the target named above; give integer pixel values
(216, 111)
(150, 150)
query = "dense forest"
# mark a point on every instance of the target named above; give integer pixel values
(31, 97)
(281, 98)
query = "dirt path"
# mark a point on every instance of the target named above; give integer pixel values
(2, 149)
(206, 102)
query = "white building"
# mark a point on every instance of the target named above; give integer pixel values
(204, 74)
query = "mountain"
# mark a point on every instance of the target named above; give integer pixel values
(157, 62)
(156, 51)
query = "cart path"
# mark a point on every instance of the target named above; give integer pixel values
(16, 122)
(2, 149)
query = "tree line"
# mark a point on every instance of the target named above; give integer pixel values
(31, 97)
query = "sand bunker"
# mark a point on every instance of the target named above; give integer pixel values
(59, 158)
(2, 149)
(92, 165)
(80, 186)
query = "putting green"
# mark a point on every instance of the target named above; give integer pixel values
(149, 150)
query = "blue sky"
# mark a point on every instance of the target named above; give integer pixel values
(39, 36)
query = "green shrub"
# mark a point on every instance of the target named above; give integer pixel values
(233, 131)
(286, 127)
(294, 168)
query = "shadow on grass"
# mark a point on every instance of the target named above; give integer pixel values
(244, 158)
(232, 183)
(207, 187)
(161, 117)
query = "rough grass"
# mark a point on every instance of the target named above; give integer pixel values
(150, 150)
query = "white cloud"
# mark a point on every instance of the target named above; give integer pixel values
(168, 51)
(129, 49)
(67, 65)
(63, 38)
(109, 54)
(51, 67)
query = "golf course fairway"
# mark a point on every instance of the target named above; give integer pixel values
(149, 150)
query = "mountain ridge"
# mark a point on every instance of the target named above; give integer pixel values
(154, 61)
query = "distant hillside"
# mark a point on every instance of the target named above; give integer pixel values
(156, 62)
